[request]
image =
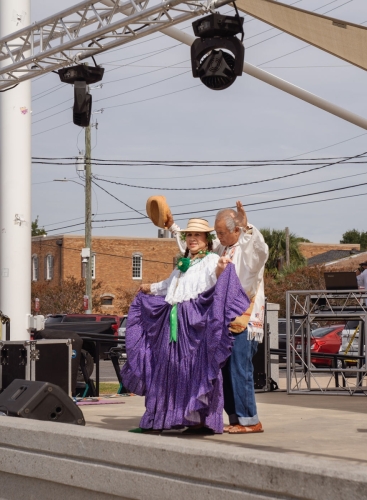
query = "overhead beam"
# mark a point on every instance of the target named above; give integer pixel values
(280, 84)
(342, 39)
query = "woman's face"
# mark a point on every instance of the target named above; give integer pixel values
(196, 242)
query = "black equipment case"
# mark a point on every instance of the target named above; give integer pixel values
(36, 360)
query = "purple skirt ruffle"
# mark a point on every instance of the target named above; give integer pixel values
(182, 380)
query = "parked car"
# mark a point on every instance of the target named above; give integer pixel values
(54, 318)
(85, 324)
(282, 335)
(325, 340)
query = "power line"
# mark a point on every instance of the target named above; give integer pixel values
(120, 201)
(247, 195)
(43, 243)
(247, 211)
(220, 208)
(228, 185)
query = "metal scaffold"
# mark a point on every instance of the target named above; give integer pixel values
(308, 372)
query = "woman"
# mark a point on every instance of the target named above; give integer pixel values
(177, 338)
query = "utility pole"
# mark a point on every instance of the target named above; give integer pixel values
(15, 186)
(88, 218)
(287, 257)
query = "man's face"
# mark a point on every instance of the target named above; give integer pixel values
(224, 235)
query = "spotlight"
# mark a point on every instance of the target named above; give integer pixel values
(217, 69)
(80, 76)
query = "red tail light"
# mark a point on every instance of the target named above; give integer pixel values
(115, 328)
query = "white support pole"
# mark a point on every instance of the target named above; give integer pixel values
(15, 187)
(280, 84)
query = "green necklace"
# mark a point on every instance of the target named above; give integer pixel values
(184, 263)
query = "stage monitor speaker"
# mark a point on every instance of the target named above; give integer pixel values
(39, 401)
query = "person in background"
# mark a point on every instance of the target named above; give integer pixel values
(361, 273)
(242, 244)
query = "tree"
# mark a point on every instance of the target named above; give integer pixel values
(355, 236)
(37, 231)
(66, 298)
(305, 278)
(124, 299)
(275, 240)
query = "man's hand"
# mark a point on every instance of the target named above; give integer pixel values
(169, 220)
(222, 264)
(144, 288)
(242, 214)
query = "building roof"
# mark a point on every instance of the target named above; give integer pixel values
(330, 256)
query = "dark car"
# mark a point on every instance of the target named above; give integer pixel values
(88, 325)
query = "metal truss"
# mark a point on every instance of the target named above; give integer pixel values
(89, 28)
(304, 372)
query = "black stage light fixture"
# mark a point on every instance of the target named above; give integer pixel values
(80, 76)
(217, 69)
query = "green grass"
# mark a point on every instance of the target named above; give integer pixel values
(108, 388)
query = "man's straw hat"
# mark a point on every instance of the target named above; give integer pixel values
(158, 210)
(197, 225)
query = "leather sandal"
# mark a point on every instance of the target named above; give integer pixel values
(227, 428)
(246, 429)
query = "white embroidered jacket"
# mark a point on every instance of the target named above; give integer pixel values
(185, 286)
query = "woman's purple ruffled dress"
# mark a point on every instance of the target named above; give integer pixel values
(182, 380)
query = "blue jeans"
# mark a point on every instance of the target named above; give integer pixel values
(238, 382)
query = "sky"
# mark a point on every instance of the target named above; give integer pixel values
(161, 113)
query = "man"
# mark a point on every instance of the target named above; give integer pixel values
(244, 246)
(361, 273)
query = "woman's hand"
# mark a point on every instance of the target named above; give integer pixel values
(169, 220)
(144, 288)
(222, 264)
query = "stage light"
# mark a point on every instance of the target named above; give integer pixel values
(81, 76)
(217, 56)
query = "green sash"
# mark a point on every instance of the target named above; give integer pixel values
(173, 324)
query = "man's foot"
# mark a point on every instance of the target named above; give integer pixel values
(246, 429)
(227, 428)
(199, 431)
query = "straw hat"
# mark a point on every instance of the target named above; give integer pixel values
(197, 225)
(158, 210)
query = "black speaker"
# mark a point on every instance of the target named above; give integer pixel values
(39, 401)
(82, 105)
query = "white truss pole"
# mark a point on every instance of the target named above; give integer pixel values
(280, 84)
(15, 187)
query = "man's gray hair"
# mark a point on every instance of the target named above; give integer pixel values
(230, 217)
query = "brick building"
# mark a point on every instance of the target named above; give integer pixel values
(119, 262)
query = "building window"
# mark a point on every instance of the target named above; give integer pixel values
(107, 300)
(137, 266)
(84, 267)
(35, 268)
(49, 267)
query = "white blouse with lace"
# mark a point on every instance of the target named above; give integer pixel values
(185, 286)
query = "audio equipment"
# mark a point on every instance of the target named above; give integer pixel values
(39, 401)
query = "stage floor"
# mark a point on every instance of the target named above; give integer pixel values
(309, 425)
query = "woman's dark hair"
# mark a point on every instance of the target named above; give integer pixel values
(210, 246)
